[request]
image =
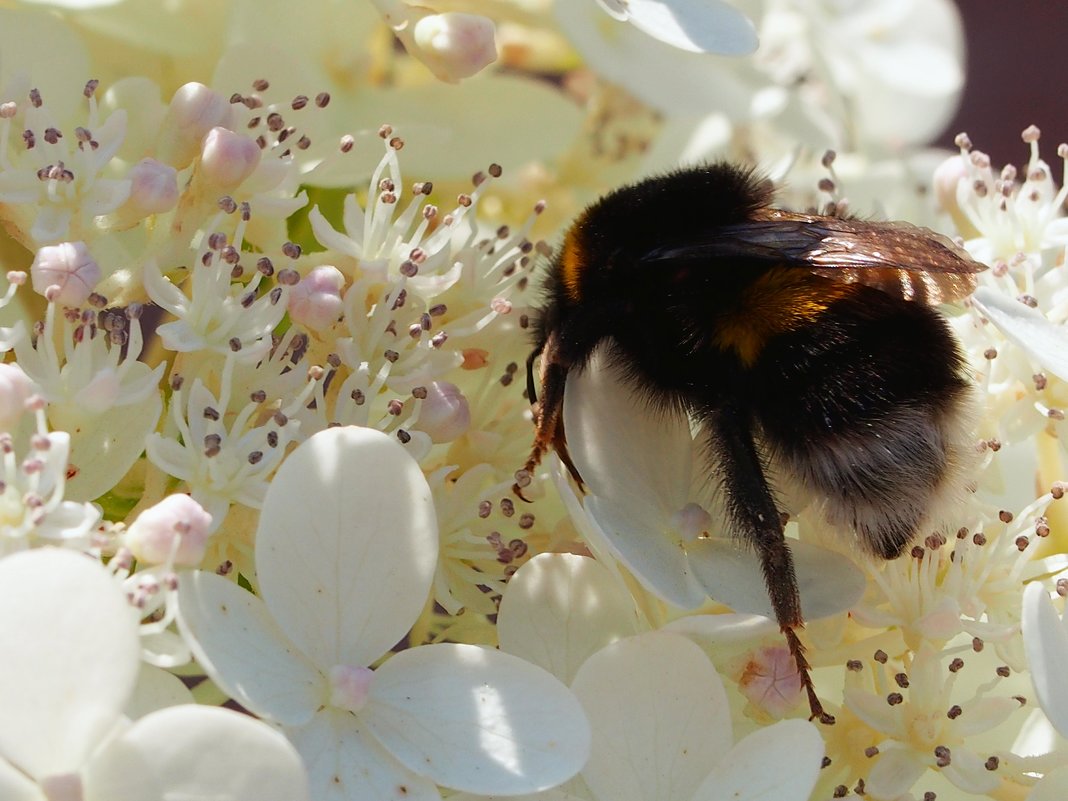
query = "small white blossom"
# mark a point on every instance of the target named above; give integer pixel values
(87, 369)
(220, 314)
(33, 510)
(224, 455)
(54, 180)
(924, 723)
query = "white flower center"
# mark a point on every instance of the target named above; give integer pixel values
(349, 686)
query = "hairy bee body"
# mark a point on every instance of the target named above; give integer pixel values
(805, 347)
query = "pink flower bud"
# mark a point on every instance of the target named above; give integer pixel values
(15, 388)
(153, 188)
(176, 524)
(316, 302)
(228, 158)
(445, 413)
(946, 180)
(65, 273)
(194, 110)
(454, 45)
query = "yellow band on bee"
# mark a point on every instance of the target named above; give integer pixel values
(781, 300)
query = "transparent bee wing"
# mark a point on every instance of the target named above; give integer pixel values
(898, 258)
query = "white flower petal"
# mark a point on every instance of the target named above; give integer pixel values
(699, 26)
(15, 786)
(659, 715)
(780, 762)
(1046, 643)
(893, 775)
(476, 719)
(1026, 328)
(1052, 787)
(156, 689)
(347, 545)
(828, 582)
(968, 772)
(559, 608)
(670, 80)
(622, 447)
(655, 555)
(105, 446)
(197, 752)
(346, 762)
(71, 656)
(235, 639)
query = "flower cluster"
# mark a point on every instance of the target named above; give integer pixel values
(262, 404)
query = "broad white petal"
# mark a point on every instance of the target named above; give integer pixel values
(105, 446)
(70, 658)
(15, 786)
(623, 449)
(1026, 328)
(723, 629)
(476, 719)
(828, 582)
(547, 795)
(699, 26)
(559, 608)
(1046, 643)
(197, 752)
(659, 716)
(347, 545)
(640, 539)
(235, 639)
(156, 689)
(346, 762)
(780, 762)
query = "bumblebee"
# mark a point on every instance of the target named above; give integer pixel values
(804, 347)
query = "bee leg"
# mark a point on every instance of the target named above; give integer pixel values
(548, 424)
(752, 510)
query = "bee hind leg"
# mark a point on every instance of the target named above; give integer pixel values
(753, 512)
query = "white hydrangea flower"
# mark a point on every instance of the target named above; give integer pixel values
(334, 600)
(33, 510)
(97, 389)
(71, 664)
(55, 180)
(1004, 215)
(222, 314)
(923, 723)
(225, 459)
